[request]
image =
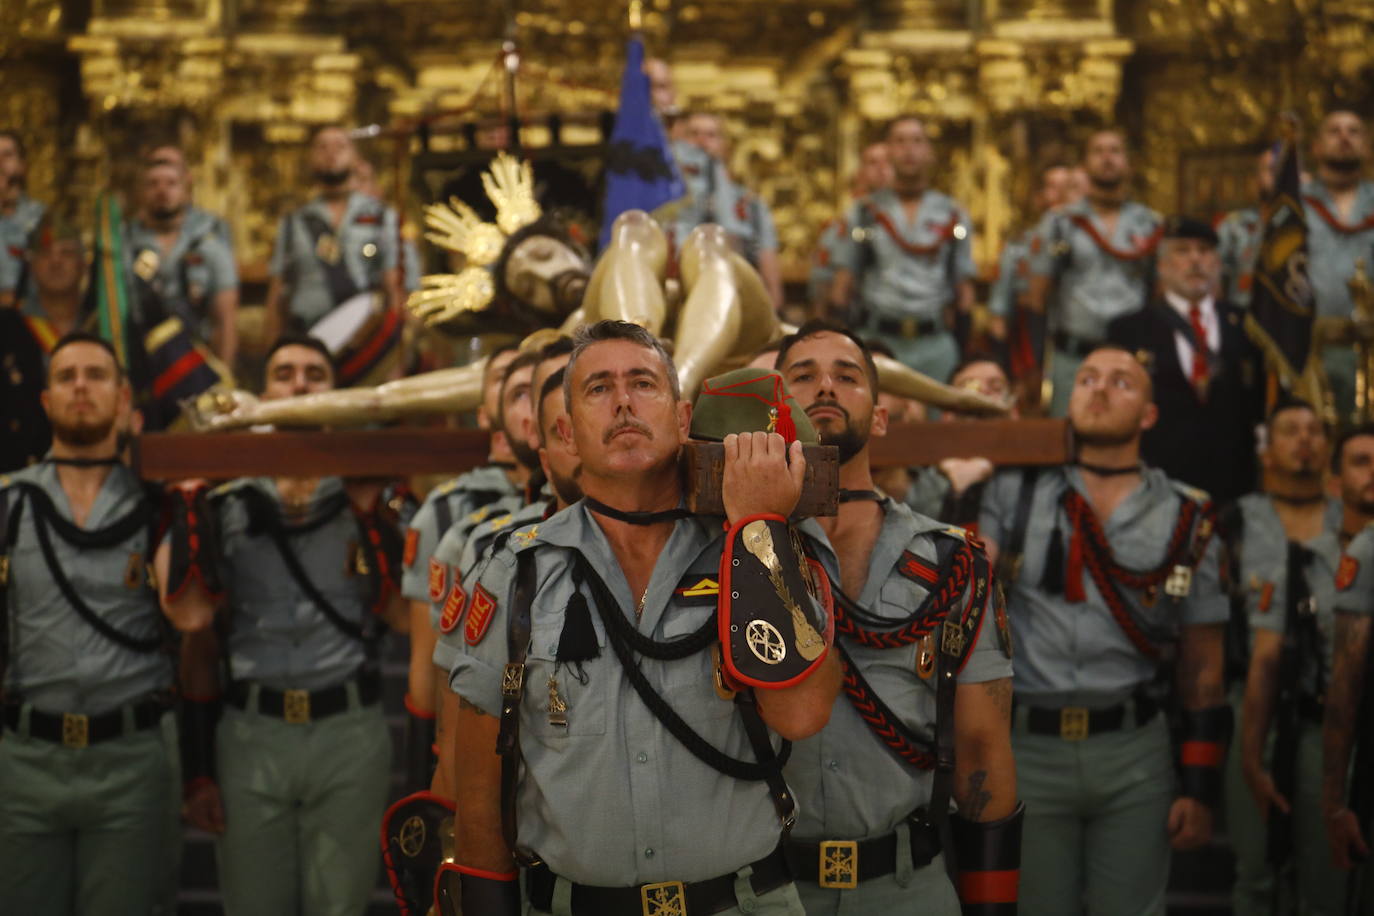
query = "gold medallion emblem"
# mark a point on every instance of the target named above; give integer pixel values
(327, 249)
(411, 836)
(765, 642)
(146, 265)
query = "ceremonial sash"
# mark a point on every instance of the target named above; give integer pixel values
(1334, 221)
(1145, 249)
(43, 333)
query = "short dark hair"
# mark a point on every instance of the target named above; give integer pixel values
(820, 326)
(1338, 452)
(977, 356)
(562, 345)
(588, 335)
(1099, 131)
(301, 339)
(79, 336)
(878, 347)
(551, 384)
(330, 126)
(1285, 404)
(491, 361)
(527, 358)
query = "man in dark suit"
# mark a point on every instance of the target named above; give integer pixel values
(1208, 377)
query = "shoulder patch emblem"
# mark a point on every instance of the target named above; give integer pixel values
(916, 569)
(525, 537)
(438, 580)
(479, 616)
(498, 523)
(1266, 599)
(412, 546)
(453, 607)
(1346, 572)
(476, 518)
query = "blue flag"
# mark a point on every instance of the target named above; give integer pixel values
(640, 174)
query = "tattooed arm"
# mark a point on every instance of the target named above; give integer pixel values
(1339, 724)
(984, 772)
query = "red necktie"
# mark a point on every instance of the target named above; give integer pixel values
(1198, 375)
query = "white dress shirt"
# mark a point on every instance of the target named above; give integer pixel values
(1210, 323)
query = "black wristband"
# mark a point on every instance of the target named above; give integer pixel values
(1202, 753)
(988, 858)
(458, 891)
(197, 738)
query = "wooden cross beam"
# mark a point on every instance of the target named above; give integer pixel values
(404, 451)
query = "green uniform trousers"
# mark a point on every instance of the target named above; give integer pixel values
(83, 831)
(1095, 839)
(906, 892)
(303, 810)
(781, 901)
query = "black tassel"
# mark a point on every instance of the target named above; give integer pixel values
(577, 642)
(1052, 580)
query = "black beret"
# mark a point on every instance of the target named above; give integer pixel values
(1188, 227)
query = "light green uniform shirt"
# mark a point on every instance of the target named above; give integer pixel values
(1332, 253)
(1092, 285)
(1076, 654)
(893, 282)
(849, 785)
(1264, 577)
(278, 636)
(612, 798)
(199, 256)
(367, 243)
(58, 661)
(447, 504)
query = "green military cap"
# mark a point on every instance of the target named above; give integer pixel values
(750, 400)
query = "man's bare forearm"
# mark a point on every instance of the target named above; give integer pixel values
(1343, 693)
(476, 775)
(1260, 687)
(1201, 669)
(984, 770)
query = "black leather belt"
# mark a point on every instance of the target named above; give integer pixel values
(1074, 346)
(844, 863)
(300, 706)
(691, 898)
(908, 327)
(74, 729)
(1074, 723)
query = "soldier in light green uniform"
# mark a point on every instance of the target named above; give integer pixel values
(908, 259)
(19, 215)
(1294, 516)
(872, 790)
(1339, 205)
(1092, 261)
(302, 753)
(339, 244)
(1111, 567)
(623, 805)
(874, 172)
(87, 759)
(179, 264)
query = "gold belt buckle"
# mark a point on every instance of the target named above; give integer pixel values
(668, 898)
(1073, 723)
(76, 729)
(512, 679)
(911, 327)
(296, 706)
(839, 865)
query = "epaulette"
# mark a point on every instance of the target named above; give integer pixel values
(447, 487)
(478, 516)
(225, 489)
(500, 521)
(519, 538)
(1190, 492)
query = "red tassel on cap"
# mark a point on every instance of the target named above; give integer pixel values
(785, 427)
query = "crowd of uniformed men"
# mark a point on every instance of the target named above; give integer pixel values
(641, 710)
